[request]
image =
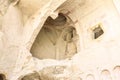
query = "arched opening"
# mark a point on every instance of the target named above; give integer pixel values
(56, 39)
(90, 77)
(116, 71)
(2, 77)
(106, 75)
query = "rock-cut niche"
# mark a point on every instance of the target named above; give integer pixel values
(56, 39)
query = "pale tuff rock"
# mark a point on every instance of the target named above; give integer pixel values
(59, 40)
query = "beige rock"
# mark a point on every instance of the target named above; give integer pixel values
(59, 40)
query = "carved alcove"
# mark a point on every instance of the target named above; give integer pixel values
(56, 39)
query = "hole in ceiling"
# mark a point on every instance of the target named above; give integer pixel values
(59, 21)
(56, 39)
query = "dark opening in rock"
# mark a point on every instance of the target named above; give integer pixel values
(98, 31)
(2, 77)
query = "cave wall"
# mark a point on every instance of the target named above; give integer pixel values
(84, 16)
(16, 34)
(56, 39)
(96, 57)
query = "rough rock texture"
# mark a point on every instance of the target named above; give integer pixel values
(89, 58)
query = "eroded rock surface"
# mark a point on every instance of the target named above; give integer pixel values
(98, 55)
(53, 73)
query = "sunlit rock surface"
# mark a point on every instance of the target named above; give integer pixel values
(59, 40)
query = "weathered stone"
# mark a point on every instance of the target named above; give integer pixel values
(80, 39)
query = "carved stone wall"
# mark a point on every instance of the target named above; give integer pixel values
(90, 34)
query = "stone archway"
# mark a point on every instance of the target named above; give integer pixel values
(56, 39)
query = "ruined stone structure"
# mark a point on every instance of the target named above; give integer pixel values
(59, 40)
